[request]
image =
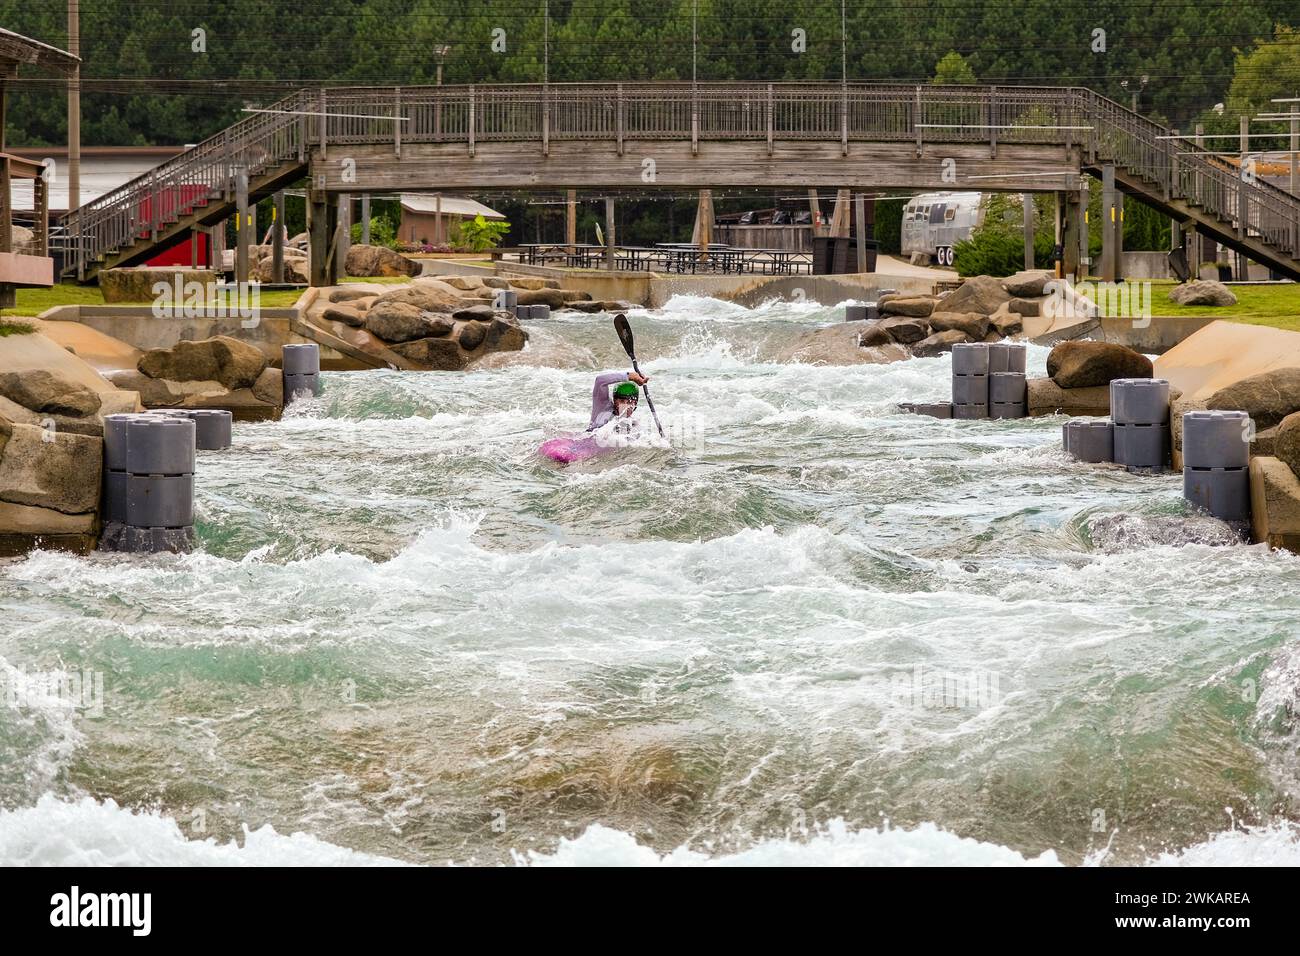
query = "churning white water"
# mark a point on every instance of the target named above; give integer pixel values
(813, 630)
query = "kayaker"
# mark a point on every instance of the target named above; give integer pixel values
(621, 404)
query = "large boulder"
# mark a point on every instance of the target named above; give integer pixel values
(269, 387)
(529, 282)
(982, 294)
(233, 363)
(1025, 307)
(404, 322)
(972, 324)
(905, 330)
(470, 335)
(136, 284)
(917, 306)
(1032, 282)
(297, 269)
(873, 335)
(464, 283)
(555, 298)
(1286, 446)
(49, 391)
(1202, 292)
(364, 260)
(427, 296)
(481, 313)
(940, 342)
(1083, 364)
(51, 469)
(1045, 397)
(1267, 397)
(1007, 323)
(436, 354)
(349, 295)
(504, 335)
(344, 314)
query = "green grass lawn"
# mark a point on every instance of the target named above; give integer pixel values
(33, 302)
(15, 328)
(1273, 305)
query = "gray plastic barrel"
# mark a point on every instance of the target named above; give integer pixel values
(539, 311)
(1214, 439)
(1007, 387)
(970, 358)
(159, 445)
(1223, 492)
(855, 313)
(300, 359)
(212, 426)
(934, 409)
(1067, 430)
(968, 412)
(1141, 447)
(1139, 401)
(159, 501)
(506, 299)
(1092, 441)
(295, 385)
(1007, 357)
(1007, 410)
(970, 389)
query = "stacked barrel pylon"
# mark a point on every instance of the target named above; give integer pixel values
(1216, 462)
(148, 483)
(1139, 409)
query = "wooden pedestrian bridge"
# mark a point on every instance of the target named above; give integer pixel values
(606, 137)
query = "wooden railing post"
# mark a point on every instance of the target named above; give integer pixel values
(769, 118)
(546, 119)
(695, 121)
(471, 120)
(397, 121)
(323, 121)
(916, 120)
(993, 121)
(619, 119)
(844, 121)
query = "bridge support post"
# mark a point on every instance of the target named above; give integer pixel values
(1109, 220)
(321, 221)
(1073, 227)
(242, 230)
(609, 233)
(860, 218)
(277, 239)
(1085, 249)
(345, 231)
(365, 219)
(571, 221)
(1027, 206)
(702, 234)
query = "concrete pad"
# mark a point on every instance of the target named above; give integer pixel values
(1274, 504)
(101, 352)
(25, 353)
(1223, 353)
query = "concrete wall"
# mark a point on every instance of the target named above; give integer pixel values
(1158, 336)
(137, 326)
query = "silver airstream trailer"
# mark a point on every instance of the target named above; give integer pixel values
(934, 222)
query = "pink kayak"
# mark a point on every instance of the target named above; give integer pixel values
(571, 448)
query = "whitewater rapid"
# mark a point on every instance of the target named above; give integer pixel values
(812, 631)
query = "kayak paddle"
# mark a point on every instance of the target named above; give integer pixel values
(625, 336)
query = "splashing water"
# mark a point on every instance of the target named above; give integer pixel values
(818, 631)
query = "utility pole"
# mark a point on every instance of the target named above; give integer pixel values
(74, 107)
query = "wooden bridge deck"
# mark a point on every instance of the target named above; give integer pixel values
(672, 136)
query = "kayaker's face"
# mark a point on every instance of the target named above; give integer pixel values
(624, 407)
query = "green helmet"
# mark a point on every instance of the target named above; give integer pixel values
(627, 390)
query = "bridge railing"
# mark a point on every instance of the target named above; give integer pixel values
(320, 119)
